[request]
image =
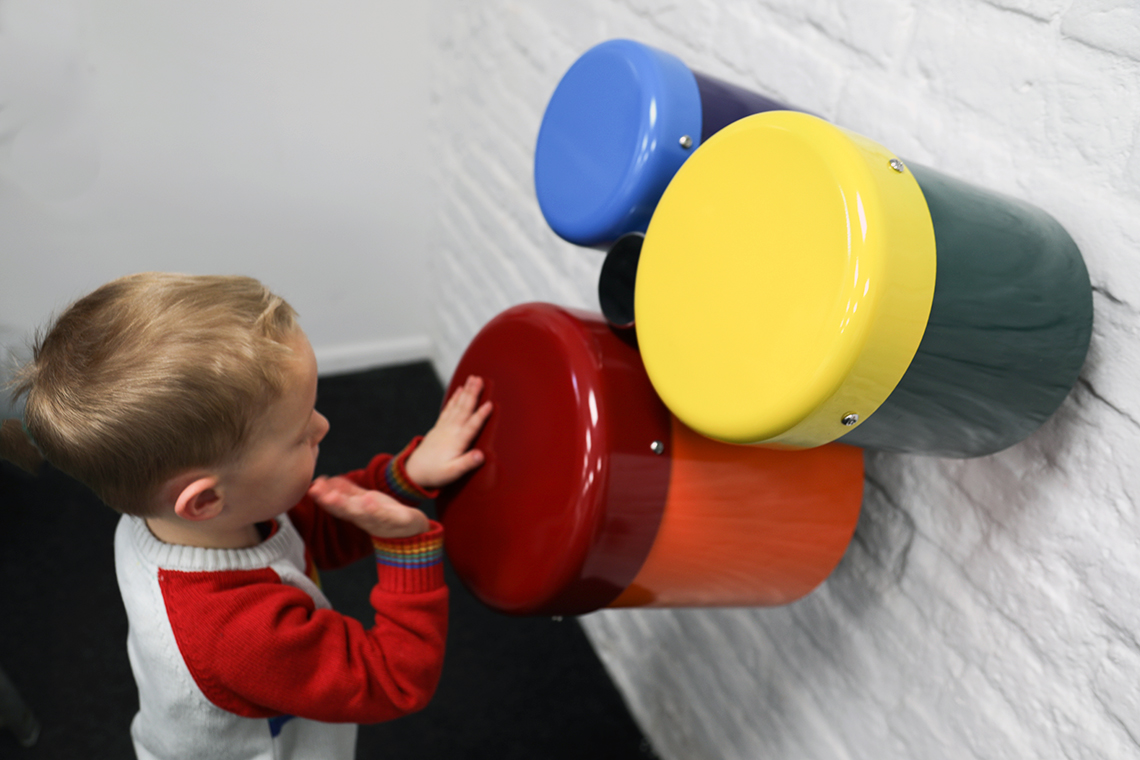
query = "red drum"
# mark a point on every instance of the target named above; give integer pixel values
(594, 495)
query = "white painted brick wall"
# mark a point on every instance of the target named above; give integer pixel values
(987, 608)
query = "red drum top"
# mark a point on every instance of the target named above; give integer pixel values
(562, 514)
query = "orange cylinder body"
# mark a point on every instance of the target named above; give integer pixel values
(748, 526)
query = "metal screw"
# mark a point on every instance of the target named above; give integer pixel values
(897, 165)
(686, 142)
(850, 419)
(657, 447)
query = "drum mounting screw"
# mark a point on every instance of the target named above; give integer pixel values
(686, 142)
(897, 165)
(849, 419)
(657, 447)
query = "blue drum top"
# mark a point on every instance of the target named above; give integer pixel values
(621, 122)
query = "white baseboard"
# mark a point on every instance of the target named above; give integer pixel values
(352, 357)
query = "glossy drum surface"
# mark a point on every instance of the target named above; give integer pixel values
(611, 137)
(748, 525)
(784, 283)
(799, 284)
(723, 103)
(1008, 330)
(561, 515)
(592, 494)
(610, 140)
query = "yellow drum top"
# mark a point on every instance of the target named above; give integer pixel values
(785, 282)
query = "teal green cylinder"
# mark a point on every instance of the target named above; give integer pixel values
(1007, 335)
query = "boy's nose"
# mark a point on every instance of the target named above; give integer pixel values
(322, 427)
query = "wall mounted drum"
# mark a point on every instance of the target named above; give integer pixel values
(592, 494)
(621, 121)
(800, 284)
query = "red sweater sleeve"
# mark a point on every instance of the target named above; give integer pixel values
(258, 647)
(389, 474)
(336, 543)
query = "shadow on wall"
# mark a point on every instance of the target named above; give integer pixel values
(877, 556)
(1113, 313)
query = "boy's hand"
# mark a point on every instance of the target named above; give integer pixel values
(442, 456)
(376, 513)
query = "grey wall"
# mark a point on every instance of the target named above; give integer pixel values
(283, 140)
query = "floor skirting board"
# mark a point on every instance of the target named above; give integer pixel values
(353, 357)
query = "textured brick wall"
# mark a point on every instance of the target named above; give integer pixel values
(987, 608)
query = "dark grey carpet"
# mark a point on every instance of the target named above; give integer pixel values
(512, 688)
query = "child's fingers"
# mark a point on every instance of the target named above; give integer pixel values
(463, 400)
(333, 491)
(462, 465)
(375, 512)
(472, 386)
(480, 416)
(474, 423)
(442, 456)
(324, 484)
(381, 515)
(319, 487)
(462, 394)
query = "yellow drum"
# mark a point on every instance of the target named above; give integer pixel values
(784, 282)
(799, 283)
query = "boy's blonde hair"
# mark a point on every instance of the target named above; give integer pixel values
(153, 374)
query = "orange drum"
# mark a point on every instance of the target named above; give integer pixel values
(748, 526)
(594, 495)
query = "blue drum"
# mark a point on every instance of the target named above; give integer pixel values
(619, 125)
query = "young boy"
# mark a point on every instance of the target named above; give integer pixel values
(187, 404)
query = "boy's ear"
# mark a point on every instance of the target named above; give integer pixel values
(197, 497)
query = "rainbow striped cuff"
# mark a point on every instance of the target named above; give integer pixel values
(412, 564)
(397, 480)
